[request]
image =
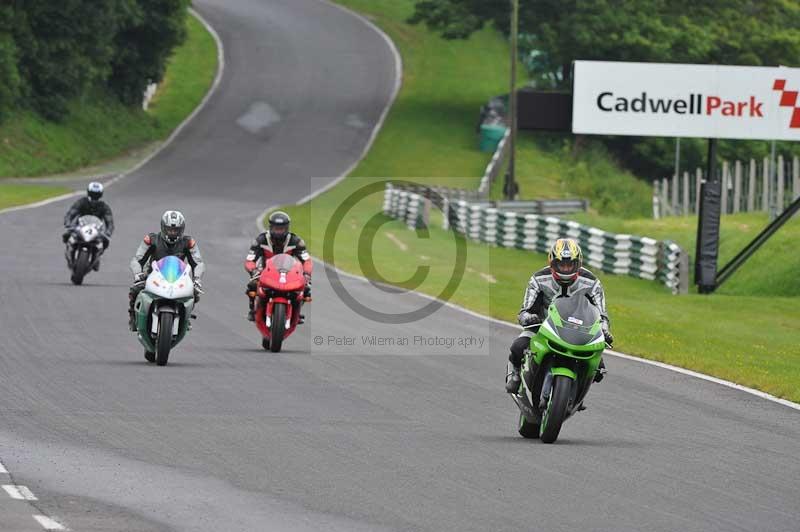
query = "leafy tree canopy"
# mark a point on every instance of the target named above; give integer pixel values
(557, 32)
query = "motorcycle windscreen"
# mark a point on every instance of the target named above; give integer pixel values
(283, 262)
(171, 268)
(90, 220)
(578, 316)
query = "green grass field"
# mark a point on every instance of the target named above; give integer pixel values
(739, 334)
(12, 195)
(101, 128)
(547, 167)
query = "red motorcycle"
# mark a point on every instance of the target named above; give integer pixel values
(281, 286)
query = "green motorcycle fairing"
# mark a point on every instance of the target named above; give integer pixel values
(570, 342)
(143, 309)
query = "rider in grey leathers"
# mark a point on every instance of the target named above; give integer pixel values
(564, 274)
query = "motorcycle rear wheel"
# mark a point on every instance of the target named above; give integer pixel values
(164, 339)
(526, 428)
(278, 327)
(556, 411)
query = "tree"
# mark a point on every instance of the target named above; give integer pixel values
(554, 33)
(63, 49)
(152, 30)
(557, 32)
(9, 74)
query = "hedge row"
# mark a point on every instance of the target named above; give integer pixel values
(54, 52)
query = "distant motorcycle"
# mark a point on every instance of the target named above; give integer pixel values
(560, 367)
(164, 307)
(85, 246)
(279, 298)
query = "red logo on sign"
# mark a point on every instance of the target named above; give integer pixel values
(788, 99)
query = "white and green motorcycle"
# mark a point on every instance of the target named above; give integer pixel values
(163, 309)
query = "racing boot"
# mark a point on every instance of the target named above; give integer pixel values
(251, 314)
(131, 320)
(513, 380)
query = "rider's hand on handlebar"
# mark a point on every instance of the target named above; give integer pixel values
(609, 338)
(139, 277)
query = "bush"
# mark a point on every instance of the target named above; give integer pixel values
(54, 52)
(146, 41)
(9, 74)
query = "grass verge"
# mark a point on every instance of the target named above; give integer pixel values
(548, 167)
(747, 339)
(13, 195)
(101, 128)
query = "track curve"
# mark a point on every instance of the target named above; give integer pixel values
(229, 438)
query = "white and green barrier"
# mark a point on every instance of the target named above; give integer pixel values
(646, 258)
(410, 207)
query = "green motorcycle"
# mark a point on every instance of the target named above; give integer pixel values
(558, 371)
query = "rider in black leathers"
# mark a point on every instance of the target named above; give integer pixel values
(278, 239)
(91, 205)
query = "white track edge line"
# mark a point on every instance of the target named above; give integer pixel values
(306, 199)
(49, 523)
(3, 469)
(211, 91)
(20, 493)
(398, 83)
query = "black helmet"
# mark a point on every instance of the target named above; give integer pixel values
(172, 226)
(94, 191)
(565, 259)
(279, 227)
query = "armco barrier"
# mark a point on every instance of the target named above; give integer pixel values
(645, 258)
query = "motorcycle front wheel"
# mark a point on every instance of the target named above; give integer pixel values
(278, 327)
(164, 339)
(81, 266)
(556, 410)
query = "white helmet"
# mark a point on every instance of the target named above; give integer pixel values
(172, 226)
(94, 191)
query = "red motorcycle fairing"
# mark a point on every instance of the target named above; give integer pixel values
(281, 282)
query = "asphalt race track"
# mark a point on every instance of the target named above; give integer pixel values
(331, 437)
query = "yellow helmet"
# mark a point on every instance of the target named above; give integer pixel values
(565, 259)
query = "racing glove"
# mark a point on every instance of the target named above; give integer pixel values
(529, 320)
(139, 278)
(609, 337)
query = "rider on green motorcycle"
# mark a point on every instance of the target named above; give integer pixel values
(565, 274)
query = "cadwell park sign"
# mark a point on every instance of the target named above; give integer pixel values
(679, 100)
